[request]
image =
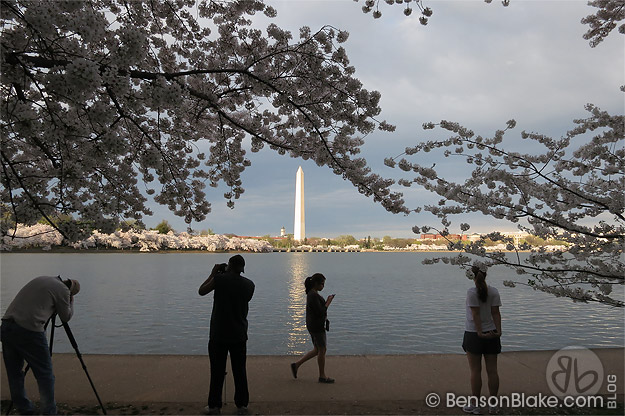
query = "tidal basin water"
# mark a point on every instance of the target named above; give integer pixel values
(386, 303)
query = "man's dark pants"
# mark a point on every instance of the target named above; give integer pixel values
(218, 355)
(19, 345)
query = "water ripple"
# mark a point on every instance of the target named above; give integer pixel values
(386, 303)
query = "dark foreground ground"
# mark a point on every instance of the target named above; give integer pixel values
(308, 408)
(178, 385)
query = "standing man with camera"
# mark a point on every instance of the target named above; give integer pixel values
(24, 337)
(228, 331)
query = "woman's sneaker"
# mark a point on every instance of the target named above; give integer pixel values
(473, 410)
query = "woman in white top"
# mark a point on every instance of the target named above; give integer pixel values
(482, 336)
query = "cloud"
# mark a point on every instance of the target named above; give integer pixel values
(483, 64)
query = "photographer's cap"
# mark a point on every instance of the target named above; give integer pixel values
(74, 287)
(238, 262)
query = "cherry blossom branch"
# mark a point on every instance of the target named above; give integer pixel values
(35, 203)
(42, 62)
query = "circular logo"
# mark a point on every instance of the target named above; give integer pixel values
(574, 371)
(432, 400)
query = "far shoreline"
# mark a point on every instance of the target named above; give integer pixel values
(69, 250)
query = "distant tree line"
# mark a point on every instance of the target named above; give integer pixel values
(388, 241)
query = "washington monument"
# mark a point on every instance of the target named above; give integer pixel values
(299, 229)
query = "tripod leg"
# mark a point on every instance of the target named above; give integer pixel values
(53, 318)
(72, 340)
(225, 387)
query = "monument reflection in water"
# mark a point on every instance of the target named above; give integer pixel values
(298, 335)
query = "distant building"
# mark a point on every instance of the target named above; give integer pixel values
(474, 237)
(517, 236)
(282, 232)
(438, 236)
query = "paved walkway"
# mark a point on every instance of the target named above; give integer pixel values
(364, 384)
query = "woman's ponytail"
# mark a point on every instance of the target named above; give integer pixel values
(308, 284)
(480, 283)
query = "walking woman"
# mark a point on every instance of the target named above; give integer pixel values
(482, 338)
(316, 315)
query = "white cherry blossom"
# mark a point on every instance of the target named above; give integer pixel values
(46, 237)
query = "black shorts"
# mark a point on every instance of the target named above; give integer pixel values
(476, 345)
(319, 339)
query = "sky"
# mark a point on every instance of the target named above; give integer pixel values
(474, 63)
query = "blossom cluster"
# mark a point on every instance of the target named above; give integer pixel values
(374, 5)
(38, 235)
(45, 237)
